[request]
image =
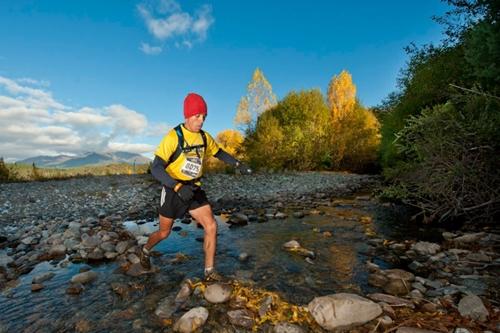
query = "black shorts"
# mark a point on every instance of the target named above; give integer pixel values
(171, 206)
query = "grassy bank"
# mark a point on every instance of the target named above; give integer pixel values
(13, 172)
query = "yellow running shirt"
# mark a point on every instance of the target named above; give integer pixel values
(188, 165)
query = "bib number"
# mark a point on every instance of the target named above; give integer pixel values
(191, 167)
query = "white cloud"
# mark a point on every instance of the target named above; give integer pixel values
(34, 123)
(168, 6)
(83, 117)
(33, 82)
(158, 129)
(126, 120)
(166, 20)
(34, 97)
(203, 22)
(138, 148)
(151, 50)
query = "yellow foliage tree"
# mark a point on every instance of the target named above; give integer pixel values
(341, 95)
(229, 140)
(259, 98)
(355, 129)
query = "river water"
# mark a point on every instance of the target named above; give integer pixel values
(338, 236)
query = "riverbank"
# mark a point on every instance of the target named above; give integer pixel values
(447, 285)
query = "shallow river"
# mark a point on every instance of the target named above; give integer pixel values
(338, 237)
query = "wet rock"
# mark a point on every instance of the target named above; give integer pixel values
(217, 293)
(89, 242)
(136, 270)
(120, 289)
(481, 257)
(84, 277)
(239, 219)
(461, 330)
(184, 293)
(295, 247)
(386, 321)
(469, 238)
(343, 310)
(377, 280)
(426, 248)
(391, 300)
(28, 240)
(43, 277)
(57, 251)
(243, 257)
(399, 274)
(36, 287)
(108, 246)
(280, 216)
(166, 307)
(75, 289)
(291, 244)
(122, 246)
(397, 287)
(133, 258)
(242, 317)
(265, 306)
(429, 307)
(472, 306)
(299, 214)
(287, 328)
(191, 320)
(96, 254)
(5, 260)
(83, 326)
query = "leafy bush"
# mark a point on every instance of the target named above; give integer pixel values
(423, 83)
(449, 160)
(293, 135)
(4, 172)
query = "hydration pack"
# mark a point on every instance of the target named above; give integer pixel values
(186, 149)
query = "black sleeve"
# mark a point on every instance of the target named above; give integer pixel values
(226, 158)
(158, 171)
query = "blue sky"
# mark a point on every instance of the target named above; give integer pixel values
(88, 75)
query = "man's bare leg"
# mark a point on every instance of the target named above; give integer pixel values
(204, 216)
(162, 233)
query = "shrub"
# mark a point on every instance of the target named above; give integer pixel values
(4, 172)
(449, 160)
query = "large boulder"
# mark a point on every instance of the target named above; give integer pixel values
(191, 320)
(472, 306)
(84, 277)
(217, 293)
(343, 310)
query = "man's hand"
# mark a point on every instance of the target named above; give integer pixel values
(185, 192)
(244, 169)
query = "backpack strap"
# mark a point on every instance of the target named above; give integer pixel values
(180, 144)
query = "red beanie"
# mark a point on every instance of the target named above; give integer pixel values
(194, 104)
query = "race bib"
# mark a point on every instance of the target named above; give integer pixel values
(192, 167)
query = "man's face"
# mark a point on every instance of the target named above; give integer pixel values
(195, 123)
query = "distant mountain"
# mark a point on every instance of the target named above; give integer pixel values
(90, 158)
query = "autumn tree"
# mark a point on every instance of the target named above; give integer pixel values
(231, 141)
(354, 129)
(292, 135)
(259, 97)
(341, 95)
